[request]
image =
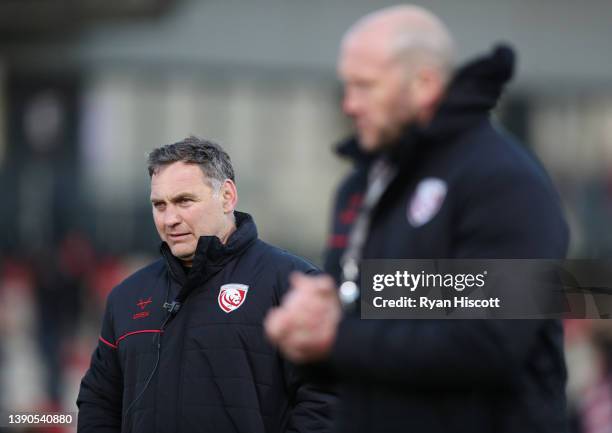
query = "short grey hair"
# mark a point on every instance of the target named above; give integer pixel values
(417, 36)
(214, 162)
(433, 46)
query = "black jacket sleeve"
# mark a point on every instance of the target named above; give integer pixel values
(101, 393)
(512, 216)
(313, 402)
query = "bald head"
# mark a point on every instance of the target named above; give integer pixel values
(406, 33)
(395, 64)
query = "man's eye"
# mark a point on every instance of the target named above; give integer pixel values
(361, 85)
(185, 201)
(159, 205)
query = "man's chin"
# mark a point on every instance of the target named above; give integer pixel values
(368, 145)
(182, 254)
(374, 145)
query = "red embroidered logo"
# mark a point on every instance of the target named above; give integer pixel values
(142, 303)
(232, 296)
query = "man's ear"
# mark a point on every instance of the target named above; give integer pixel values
(428, 90)
(229, 195)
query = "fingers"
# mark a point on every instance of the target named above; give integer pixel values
(322, 284)
(304, 325)
(280, 327)
(275, 324)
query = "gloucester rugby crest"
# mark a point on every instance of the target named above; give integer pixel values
(232, 296)
(426, 201)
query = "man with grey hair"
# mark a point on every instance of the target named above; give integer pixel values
(433, 178)
(181, 347)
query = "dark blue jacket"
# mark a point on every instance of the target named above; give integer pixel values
(214, 371)
(492, 200)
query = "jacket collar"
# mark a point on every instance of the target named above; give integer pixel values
(211, 255)
(470, 96)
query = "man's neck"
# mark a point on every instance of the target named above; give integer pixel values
(227, 235)
(188, 263)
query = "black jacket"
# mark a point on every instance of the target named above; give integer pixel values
(215, 371)
(491, 200)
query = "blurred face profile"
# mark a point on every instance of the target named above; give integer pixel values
(185, 207)
(377, 94)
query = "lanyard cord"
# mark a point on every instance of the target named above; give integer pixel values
(380, 176)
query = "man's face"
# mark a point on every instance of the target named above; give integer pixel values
(377, 92)
(185, 207)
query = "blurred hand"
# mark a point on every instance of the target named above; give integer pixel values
(304, 325)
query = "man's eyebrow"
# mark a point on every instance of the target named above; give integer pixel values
(180, 196)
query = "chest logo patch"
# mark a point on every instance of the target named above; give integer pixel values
(426, 201)
(232, 296)
(142, 304)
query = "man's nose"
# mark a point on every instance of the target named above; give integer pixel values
(172, 217)
(350, 103)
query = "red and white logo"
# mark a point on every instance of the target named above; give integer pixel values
(232, 296)
(426, 201)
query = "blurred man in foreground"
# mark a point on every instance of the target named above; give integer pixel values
(182, 347)
(433, 178)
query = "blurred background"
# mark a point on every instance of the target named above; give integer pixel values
(88, 87)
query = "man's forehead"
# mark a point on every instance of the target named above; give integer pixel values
(368, 42)
(363, 54)
(178, 170)
(177, 178)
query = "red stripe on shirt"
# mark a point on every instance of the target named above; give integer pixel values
(107, 343)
